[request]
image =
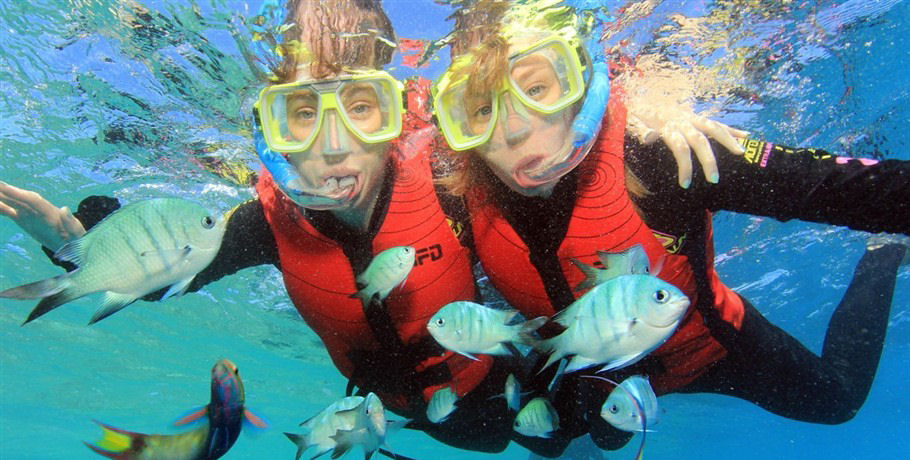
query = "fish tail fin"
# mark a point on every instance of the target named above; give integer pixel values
(102, 452)
(112, 303)
(66, 293)
(590, 273)
(549, 346)
(300, 441)
(115, 443)
(39, 289)
(526, 331)
(365, 293)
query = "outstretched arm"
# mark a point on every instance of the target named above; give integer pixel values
(683, 131)
(784, 183)
(47, 224)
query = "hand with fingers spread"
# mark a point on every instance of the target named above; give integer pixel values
(683, 132)
(47, 224)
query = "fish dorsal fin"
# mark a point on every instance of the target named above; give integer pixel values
(658, 266)
(74, 252)
(566, 316)
(193, 416)
(590, 273)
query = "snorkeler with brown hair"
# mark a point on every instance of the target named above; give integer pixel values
(541, 195)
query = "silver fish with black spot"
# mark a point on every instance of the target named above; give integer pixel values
(138, 249)
(390, 268)
(537, 419)
(468, 328)
(616, 323)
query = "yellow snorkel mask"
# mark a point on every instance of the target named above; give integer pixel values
(288, 119)
(546, 77)
(368, 105)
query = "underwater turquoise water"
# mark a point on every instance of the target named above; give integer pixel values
(123, 98)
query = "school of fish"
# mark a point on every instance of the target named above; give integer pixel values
(625, 314)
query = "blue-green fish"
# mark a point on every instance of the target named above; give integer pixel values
(512, 393)
(441, 404)
(468, 328)
(632, 261)
(138, 249)
(390, 268)
(631, 406)
(221, 421)
(537, 419)
(616, 323)
(343, 424)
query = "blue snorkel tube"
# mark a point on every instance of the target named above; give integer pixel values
(271, 18)
(587, 122)
(585, 127)
(287, 178)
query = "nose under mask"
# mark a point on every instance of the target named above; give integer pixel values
(336, 140)
(514, 119)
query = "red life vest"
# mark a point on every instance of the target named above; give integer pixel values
(320, 279)
(604, 219)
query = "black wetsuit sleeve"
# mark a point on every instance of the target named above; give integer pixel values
(90, 211)
(248, 240)
(783, 183)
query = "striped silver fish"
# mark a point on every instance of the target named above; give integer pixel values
(390, 268)
(468, 328)
(616, 323)
(512, 393)
(537, 419)
(631, 406)
(441, 404)
(354, 420)
(138, 249)
(632, 261)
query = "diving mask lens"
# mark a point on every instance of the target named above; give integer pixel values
(369, 106)
(546, 77)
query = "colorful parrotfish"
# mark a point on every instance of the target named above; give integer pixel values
(220, 423)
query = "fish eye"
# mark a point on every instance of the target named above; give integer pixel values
(208, 222)
(661, 296)
(440, 322)
(614, 409)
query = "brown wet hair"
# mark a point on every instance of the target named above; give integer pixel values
(334, 35)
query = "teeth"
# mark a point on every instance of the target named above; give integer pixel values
(334, 184)
(347, 181)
